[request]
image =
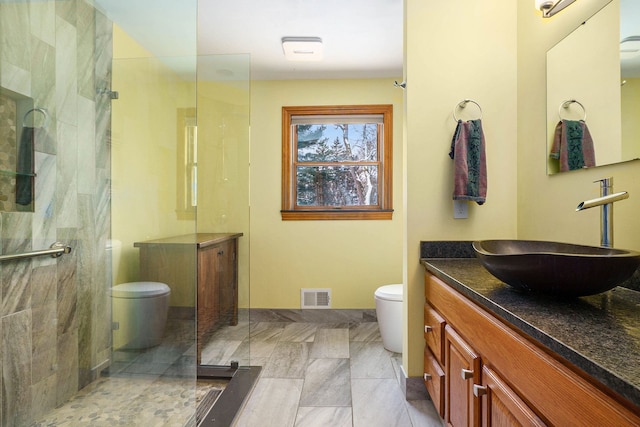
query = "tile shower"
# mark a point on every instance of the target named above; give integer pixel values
(54, 313)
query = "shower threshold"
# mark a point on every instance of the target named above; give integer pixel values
(230, 401)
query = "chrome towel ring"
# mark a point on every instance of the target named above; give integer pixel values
(567, 104)
(36, 110)
(462, 104)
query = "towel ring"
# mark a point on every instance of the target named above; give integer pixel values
(36, 110)
(463, 104)
(566, 105)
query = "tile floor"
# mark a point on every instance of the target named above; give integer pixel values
(315, 372)
(319, 373)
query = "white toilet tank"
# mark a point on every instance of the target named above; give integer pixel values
(389, 312)
(139, 314)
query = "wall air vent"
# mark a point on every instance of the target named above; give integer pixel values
(315, 298)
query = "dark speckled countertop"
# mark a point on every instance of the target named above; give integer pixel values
(600, 334)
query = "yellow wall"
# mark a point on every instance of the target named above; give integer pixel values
(352, 258)
(456, 50)
(143, 153)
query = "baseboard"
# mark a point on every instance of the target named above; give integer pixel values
(413, 387)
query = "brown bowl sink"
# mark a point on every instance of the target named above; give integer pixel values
(556, 268)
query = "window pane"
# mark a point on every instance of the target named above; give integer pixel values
(337, 142)
(337, 185)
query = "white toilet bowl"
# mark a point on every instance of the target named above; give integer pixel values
(139, 311)
(389, 312)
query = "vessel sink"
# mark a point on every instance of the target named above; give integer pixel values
(556, 268)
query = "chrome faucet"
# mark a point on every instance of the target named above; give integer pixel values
(605, 200)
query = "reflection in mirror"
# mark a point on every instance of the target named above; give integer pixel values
(584, 97)
(630, 77)
(19, 125)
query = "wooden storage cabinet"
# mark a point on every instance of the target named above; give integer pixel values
(208, 259)
(494, 376)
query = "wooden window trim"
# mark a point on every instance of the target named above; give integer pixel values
(383, 211)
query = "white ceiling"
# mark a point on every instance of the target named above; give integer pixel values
(361, 38)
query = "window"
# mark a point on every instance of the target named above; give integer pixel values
(336, 162)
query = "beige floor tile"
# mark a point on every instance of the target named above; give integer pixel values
(272, 403)
(331, 343)
(324, 417)
(327, 383)
(378, 403)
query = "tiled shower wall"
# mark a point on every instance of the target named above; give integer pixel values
(55, 313)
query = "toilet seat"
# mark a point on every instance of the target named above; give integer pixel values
(140, 290)
(390, 292)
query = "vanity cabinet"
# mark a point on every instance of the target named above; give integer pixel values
(208, 260)
(495, 376)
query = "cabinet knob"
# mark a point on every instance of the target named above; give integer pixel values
(427, 377)
(479, 390)
(466, 374)
(427, 329)
(220, 252)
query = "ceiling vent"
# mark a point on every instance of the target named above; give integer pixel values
(302, 48)
(630, 47)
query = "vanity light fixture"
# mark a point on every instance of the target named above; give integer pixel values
(302, 48)
(551, 7)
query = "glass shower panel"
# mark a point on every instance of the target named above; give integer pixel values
(223, 93)
(55, 319)
(153, 236)
(113, 120)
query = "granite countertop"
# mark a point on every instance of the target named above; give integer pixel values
(202, 240)
(600, 334)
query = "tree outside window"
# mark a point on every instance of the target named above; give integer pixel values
(337, 162)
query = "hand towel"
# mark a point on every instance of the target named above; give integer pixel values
(24, 167)
(469, 162)
(573, 145)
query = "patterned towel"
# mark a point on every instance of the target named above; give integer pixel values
(24, 167)
(573, 146)
(469, 160)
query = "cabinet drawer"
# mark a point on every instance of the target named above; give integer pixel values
(434, 380)
(434, 332)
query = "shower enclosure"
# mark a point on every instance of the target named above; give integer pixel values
(127, 144)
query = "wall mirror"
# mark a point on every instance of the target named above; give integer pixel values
(18, 124)
(593, 75)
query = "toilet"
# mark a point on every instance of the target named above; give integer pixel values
(139, 314)
(389, 312)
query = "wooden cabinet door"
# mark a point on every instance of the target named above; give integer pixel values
(501, 406)
(434, 332)
(227, 282)
(462, 371)
(208, 295)
(434, 381)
